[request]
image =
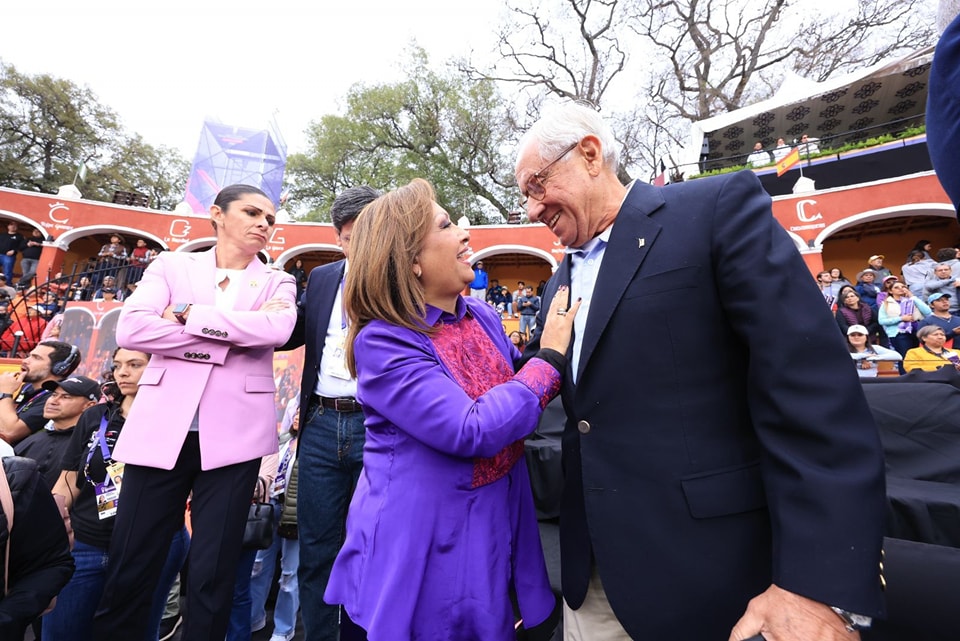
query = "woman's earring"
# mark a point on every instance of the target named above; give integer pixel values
(417, 272)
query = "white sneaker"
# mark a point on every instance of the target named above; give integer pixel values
(282, 637)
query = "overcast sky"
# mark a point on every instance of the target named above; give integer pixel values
(165, 67)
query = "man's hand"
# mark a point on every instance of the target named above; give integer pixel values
(9, 382)
(65, 514)
(784, 616)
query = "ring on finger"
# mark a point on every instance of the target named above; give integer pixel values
(561, 312)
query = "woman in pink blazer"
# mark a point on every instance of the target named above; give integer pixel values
(204, 415)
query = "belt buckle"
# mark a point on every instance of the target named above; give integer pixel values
(344, 404)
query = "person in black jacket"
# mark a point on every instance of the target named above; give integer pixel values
(40, 563)
(30, 256)
(90, 483)
(10, 243)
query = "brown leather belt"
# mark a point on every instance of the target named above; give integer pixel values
(346, 404)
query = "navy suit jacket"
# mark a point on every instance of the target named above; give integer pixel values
(311, 328)
(717, 439)
(943, 111)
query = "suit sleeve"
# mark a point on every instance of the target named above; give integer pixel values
(400, 377)
(822, 460)
(249, 328)
(40, 559)
(142, 327)
(943, 111)
(298, 337)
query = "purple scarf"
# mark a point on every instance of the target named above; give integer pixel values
(861, 316)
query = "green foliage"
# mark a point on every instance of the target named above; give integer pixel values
(434, 126)
(49, 126)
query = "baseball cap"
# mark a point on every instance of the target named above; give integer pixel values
(875, 256)
(933, 297)
(857, 329)
(76, 386)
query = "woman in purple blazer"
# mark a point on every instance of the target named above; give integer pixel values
(204, 415)
(441, 528)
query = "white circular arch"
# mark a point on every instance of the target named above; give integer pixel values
(495, 250)
(293, 252)
(4, 213)
(66, 238)
(798, 241)
(199, 244)
(940, 210)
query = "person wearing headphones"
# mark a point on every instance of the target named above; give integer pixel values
(22, 396)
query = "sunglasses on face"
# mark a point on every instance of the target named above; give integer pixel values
(534, 187)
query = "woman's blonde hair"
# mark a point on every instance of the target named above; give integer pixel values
(387, 236)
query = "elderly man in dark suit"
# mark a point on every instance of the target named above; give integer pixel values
(723, 474)
(331, 425)
(943, 107)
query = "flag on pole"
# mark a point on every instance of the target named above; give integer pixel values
(788, 161)
(81, 172)
(661, 179)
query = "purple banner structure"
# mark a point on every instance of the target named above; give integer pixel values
(230, 155)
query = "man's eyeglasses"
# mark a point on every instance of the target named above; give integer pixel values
(534, 187)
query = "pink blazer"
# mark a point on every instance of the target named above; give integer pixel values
(220, 362)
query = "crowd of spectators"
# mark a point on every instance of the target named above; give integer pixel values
(761, 156)
(889, 321)
(31, 310)
(911, 319)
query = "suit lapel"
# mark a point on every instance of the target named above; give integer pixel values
(632, 237)
(202, 274)
(253, 282)
(322, 304)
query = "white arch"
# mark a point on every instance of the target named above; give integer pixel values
(197, 244)
(940, 210)
(798, 241)
(4, 213)
(494, 250)
(293, 252)
(206, 242)
(63, 242)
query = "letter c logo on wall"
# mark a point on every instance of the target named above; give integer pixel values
(179, 227)
(55, 207)
(802, 211)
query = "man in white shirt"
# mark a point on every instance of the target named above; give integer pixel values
(332, 434)
(759, 157)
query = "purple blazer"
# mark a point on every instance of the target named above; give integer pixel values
(219, 362)
(429, 552)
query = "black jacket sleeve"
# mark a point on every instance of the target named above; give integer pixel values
(40, 559)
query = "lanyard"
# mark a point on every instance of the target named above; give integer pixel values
(33, 399)
(101, 438)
